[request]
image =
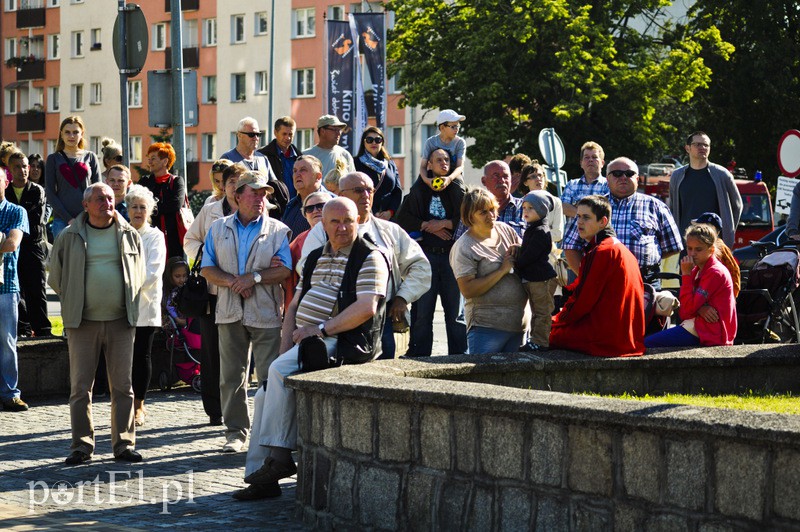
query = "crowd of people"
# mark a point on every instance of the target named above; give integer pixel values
(315, 258)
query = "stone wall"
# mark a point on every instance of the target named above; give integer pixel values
(383, 448)
(43, 367)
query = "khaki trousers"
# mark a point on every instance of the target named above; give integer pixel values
(540, 296)
(115, 338)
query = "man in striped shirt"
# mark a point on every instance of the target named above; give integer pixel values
(314, 312)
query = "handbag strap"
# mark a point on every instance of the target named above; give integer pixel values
(198, 259)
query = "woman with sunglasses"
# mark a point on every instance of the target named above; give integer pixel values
(373, 159)
(215, 176)
(111, 153)
(312, 212)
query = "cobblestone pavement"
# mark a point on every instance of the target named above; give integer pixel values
(183, 481)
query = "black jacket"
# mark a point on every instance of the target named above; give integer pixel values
(415, 209)
(533, 260)
(34, 202)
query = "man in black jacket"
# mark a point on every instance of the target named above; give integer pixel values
(281, 153)
(32, 250)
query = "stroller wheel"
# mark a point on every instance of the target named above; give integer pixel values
(163, 381)
(196, 383)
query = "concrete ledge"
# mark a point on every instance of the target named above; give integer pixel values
(442, 430)
(43, 367)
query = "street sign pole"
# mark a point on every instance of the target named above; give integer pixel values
(129, 41)
(123, 85)
(556, 166)
(178, 116)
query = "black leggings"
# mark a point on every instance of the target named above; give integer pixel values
(142, 365)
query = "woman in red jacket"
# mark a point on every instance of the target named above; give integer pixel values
(708, 308)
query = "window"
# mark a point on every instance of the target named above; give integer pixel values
(76, 1)
(96, 42)
(135, 93)
(95, 145)
(356, 8)
(303, 22)
(428, 130)
(190, 37)
(210, 32)
(95, 94)
(396, 141)
(54, 46)
(36, 146)
(37, 97)
(209, 89)
(53, 102)
(303, 83)
(190, 146)
(261, 82)
(394, 86)
(76, 97)
(336, 13)
(159, 36)
(11, 5)
(209, 146)
(238, 91)
(237, 29)
(77, 44)
(135, 148)
(23, 146)
(262, 24)
(11, 102)
(304, 139)
(53, 3)
(10, 48)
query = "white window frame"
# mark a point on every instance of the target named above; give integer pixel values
(209, 32)
(159, 36)
(95, 94)
(53, 3)
(78, 41)
(333, 15)
(190, 147)
(95, 143)
(10, 101)
(76, 1)
(300, 25)
(190, 33)
(356, 7)
(10, 5)
(135, 148)
(238, 32)
(258, 19)
(54, 46)
(209, 89)
(54, 99)
(97, 39)
(262, 82)
(135, 94)
(304, 139)
(36, 146)
(238, 91)
(396, 133)
(307, 85)
(10, 48)
(37, 97)
(394, 87)
(209, 147)
(77, 99)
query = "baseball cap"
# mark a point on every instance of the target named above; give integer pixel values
(254, 180)
(448, 115)
(330, 121)
(710, 218)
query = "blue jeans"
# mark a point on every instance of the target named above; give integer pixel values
(672, 337)
(485, 340)
(387, 340)
(443, 283)
(9, 370)
(57, 226)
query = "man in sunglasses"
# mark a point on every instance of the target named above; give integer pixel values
(702, 186)
(643, 223)
(247, 139)
(327, 149)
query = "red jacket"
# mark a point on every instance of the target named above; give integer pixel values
(713, 287)
(604, 316)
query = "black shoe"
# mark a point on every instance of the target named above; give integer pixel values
(77, 457)
(15, 405)
(256, 492)
(215, 421)
(129, 455)
(271, 472)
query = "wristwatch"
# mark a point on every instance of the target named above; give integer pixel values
(257, 277)
(322, 330)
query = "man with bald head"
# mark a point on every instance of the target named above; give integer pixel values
(642, 223)
(342, 290)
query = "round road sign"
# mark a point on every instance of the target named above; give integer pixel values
(789, 153)
(551, 147)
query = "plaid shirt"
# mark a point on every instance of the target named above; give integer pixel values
(511, 215)
(11, 217)
(643, 223)
(579, 188)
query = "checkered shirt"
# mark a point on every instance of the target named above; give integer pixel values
(11, 217)
(511, 215)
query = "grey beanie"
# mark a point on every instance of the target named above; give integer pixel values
(541, 201)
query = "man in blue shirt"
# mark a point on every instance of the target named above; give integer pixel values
(281, 153)
(13, 223)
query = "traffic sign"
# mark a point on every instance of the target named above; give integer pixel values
(551, 147)
(135, 45)
(159, 104)
(789, 153)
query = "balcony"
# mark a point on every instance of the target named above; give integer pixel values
(31, 120)
(31, 69)
(32, 17)
(191, 58)
(186, 5)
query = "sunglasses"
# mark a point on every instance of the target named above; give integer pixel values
(359, 190)
(219, 167)
(118, 158)
(250, 134)
(620, 173)
(373, 140)
(308, 209)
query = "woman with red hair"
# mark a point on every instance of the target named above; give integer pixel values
(170, 191)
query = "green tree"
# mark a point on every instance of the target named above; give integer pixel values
(755, 97)
(516, 66)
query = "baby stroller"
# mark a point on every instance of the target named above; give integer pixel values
(182, 366)
(766, 309)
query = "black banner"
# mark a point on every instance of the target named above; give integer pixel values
(341, 78)
(371, 30)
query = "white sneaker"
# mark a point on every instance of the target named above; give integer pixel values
(233, 446)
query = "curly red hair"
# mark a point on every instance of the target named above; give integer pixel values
(164, 149)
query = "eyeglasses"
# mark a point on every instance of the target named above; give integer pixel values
(308, 209)
(373, 140)
(700, 145)
(620, 173)
(359, 190)
(455, 127)
(250, 134)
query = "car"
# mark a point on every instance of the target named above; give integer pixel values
(748, 256)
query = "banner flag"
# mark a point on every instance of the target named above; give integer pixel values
(371, 30)
(342, 62)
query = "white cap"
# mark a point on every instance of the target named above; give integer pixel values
(448, 115)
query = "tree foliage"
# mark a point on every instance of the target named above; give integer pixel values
(514, 67)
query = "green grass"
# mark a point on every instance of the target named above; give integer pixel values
(759, 401)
